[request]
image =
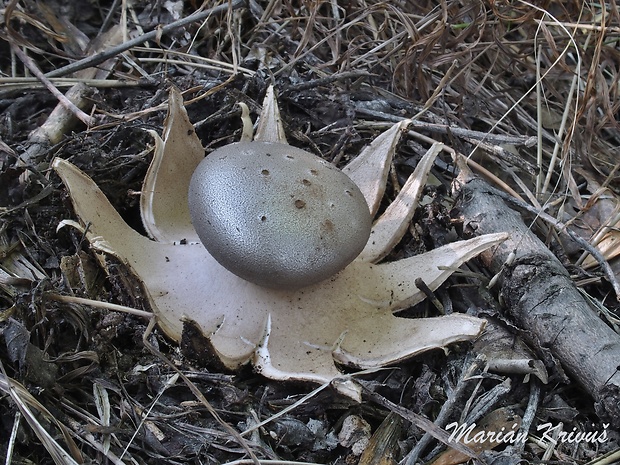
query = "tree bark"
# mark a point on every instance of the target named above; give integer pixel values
(541, 299)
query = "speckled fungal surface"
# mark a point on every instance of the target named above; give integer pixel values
(276, 215)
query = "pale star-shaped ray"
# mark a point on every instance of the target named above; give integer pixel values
(297, 334)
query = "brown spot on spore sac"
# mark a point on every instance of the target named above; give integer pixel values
(314, 172)
(327, 226)
(305, 182)
(300, 203)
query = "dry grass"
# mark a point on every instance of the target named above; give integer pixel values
(528, 91)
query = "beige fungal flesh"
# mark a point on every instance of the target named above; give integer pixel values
(287, 334)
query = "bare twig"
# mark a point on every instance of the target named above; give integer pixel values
(421, 422)
(447, 409)
(456, 131)
(324, 81)
(30, 64)
(94, 60)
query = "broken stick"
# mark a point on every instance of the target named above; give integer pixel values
(541, 298)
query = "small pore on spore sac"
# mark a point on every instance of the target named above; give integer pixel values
(265, 172)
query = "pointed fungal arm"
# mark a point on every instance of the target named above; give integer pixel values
(92, 206)
(387, 340)
(270, 127)
(163, 203)
(391, 226)
(369, 170)
(392, 285)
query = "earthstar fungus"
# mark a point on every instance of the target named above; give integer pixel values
(286, 333)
